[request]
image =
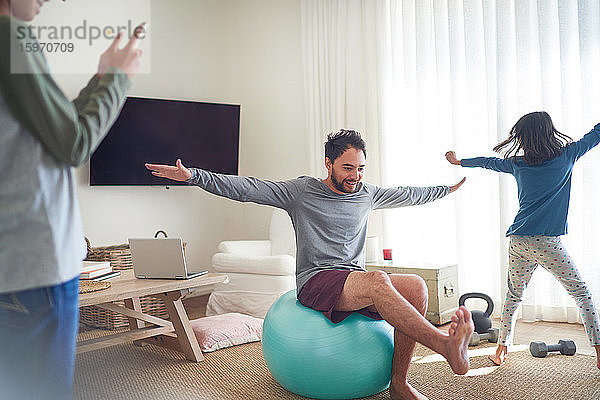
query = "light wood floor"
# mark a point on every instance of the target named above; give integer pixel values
(525, 332)
(551, 333)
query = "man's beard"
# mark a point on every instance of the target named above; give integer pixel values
(339, 185)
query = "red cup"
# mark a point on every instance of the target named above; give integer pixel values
(387, 254)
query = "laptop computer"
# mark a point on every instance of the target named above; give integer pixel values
(160, 259)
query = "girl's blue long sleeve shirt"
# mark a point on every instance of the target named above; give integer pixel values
(544, 190)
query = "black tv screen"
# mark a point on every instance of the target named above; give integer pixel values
(203, 135)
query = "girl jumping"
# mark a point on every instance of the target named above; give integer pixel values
(541, 160)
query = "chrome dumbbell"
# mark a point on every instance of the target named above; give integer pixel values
(491, 336)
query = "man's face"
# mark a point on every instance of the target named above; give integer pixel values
(347, 170)
(26, 10)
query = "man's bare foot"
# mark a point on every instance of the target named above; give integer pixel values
(597, 356)
(459, 333)
(500, 355)
(405, 392)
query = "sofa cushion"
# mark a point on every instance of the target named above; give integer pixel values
(266, 265)
(254, 304)
(246, 247)
(254, 283)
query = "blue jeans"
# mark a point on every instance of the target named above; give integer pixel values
(38, 333)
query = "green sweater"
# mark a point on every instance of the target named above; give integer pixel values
(42, 135)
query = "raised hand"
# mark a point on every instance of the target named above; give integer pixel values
(454, 188)
(451, 157)
(177, 173)
(126, 59)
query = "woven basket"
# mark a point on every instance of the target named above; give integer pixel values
(119, 255)
(120, 259)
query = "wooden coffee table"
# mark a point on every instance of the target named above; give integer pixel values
(176, 333)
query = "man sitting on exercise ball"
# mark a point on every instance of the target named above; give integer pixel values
(330, 220)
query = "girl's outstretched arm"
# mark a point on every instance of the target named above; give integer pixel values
(493, 163)
(451, 157)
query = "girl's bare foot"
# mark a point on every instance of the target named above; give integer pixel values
(597, 356)
(405, 392)
(500, 355)
(459, 333)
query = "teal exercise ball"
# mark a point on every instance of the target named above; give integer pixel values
(313, 357)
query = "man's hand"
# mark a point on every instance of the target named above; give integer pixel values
(451, 157)
(454, 188)
(126, 59)
(176, 173)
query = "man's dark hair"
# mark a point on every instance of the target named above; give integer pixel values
(535, 135)
(339, 142)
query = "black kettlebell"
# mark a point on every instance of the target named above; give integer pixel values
(481, 319)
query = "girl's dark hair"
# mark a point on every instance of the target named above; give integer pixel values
(339, 142)
(536, 136)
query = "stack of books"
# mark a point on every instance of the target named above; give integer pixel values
(97, 271)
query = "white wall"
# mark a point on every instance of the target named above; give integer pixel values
(232, 51)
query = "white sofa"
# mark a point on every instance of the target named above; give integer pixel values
(259, 270)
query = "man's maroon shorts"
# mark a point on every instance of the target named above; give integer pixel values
(322, 292)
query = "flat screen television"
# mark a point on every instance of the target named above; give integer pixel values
(203, 135)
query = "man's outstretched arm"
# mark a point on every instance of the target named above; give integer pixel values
(402, 196)
(277, 194)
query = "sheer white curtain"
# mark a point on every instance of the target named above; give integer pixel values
(422, 77)
(340, 73)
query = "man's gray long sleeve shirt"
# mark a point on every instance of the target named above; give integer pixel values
(331, 228)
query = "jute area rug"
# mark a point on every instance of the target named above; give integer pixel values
(151, 373)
